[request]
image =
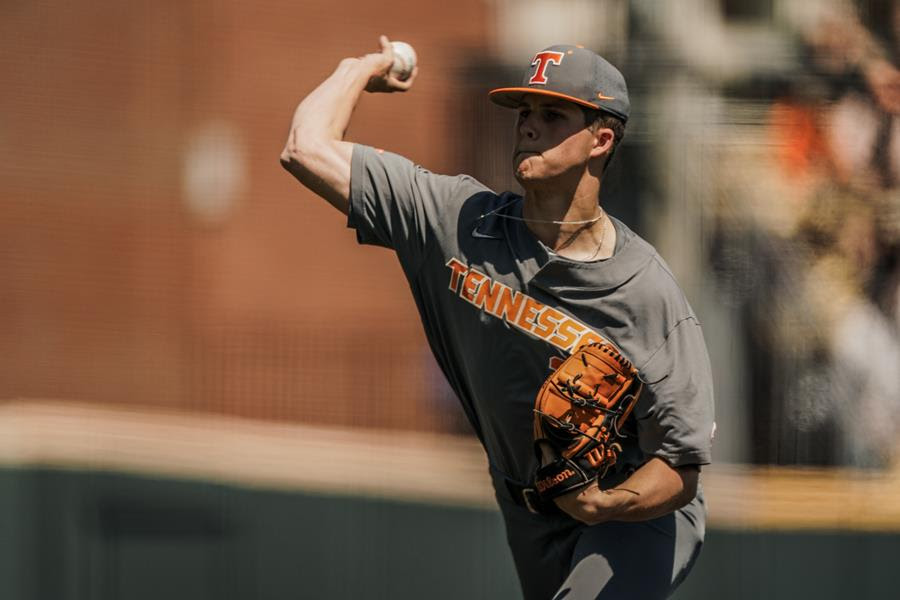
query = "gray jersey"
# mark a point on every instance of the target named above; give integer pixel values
(500, 311)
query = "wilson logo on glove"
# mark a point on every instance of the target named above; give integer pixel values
(543, 485)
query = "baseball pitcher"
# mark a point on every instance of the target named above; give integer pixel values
(575, 355)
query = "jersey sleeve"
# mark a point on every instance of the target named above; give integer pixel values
(675, 413)
(397, 204)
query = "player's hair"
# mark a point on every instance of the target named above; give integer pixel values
(605, 120)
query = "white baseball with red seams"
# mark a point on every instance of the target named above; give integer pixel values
(404, 60)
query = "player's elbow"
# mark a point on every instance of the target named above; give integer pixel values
(286, 158)
(298, 152)
(285, 161)
(289, 156)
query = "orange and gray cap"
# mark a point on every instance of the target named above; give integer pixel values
(570, 73)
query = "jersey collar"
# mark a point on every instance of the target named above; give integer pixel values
(554, 274)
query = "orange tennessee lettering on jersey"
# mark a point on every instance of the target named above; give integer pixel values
(518, 309)
(567, 333)
(487, 295)
(529, 311)
(456, 269)
(508, 304)
(546, 322)
(470, 285)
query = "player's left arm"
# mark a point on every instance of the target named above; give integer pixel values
(653, 490)
(674, 422)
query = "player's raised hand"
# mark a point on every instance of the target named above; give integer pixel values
(385, 78)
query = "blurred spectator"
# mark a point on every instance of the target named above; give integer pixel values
(815, 267)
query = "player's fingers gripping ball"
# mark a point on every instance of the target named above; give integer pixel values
(394, 67)
(404, 60)
(578, 414)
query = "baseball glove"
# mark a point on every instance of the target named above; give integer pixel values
(577, 416)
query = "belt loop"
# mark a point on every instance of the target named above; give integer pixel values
(525, 496)
(532, 500)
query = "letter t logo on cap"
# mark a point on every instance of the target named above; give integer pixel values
(542, 60)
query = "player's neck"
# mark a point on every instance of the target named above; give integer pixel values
(584, 231)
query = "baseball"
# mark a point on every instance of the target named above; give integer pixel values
(404, 60)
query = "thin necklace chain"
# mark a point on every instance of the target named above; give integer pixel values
(599, 244)
(523, 219)
(571, 238)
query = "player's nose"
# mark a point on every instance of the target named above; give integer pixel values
(526, 128)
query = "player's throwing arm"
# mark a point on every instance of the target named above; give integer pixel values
(315, 152)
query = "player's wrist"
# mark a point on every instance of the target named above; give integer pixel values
(599, 506)
(359, 69)
(375, 64)
(583, 505)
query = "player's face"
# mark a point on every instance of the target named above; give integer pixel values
(551, 139)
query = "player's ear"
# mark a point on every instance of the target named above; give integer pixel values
(604, 138)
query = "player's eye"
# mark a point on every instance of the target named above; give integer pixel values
(552, 115)
(523, 114)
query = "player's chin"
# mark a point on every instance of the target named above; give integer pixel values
(523, 177)
(524, 169)
(531, 177)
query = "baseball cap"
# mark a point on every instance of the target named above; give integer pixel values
(571, 73)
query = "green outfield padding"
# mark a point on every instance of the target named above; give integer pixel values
(67, 535)
(83, 535)
(796, 565)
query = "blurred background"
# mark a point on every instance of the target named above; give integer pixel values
(209, 390)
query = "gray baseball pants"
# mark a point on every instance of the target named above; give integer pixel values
(558, 558)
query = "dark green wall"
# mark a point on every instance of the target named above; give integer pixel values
(84, 535)
(755, 565)
(80, 535)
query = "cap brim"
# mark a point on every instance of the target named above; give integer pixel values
(511, 97)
